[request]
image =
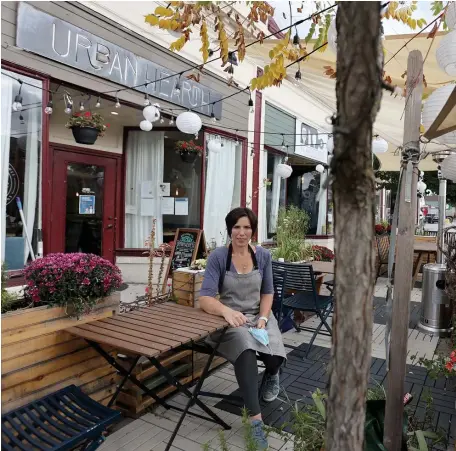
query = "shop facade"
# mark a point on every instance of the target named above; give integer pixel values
(103, 198)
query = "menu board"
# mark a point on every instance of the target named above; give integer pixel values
(189, 245)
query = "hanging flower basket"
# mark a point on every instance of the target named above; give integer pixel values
(188, 151)
(86, 127)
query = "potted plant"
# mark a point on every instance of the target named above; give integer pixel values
(382, 228)
(322, 254)
(188, 150)
(76, 281)
(86, 127)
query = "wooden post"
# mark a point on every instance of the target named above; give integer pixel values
(404, 257)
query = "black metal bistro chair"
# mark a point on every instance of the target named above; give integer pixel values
(279, 277)
(301, 294)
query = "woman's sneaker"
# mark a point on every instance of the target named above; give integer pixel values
(259, 436)
(271, 388)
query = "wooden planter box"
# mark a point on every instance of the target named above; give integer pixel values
(187, 285)
(39, 356)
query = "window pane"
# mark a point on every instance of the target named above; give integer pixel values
(223, 187)
(21, 166)
(152, 160)
(275, 193)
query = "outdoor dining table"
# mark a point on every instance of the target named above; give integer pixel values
(323, 267)
(424, 249)
(149, 332)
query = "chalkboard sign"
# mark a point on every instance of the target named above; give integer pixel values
(189, 245)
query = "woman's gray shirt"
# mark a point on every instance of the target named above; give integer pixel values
(216, 266)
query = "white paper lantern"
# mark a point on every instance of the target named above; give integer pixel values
(432, 107)
(379, 145)
(145, 126)
(320, 168)
(214, 145)
(284, 170)
(189, 123)
(446, 53)
(450, 15)
(151, 113)
(330, 145)
(448, 167)
(421, 187)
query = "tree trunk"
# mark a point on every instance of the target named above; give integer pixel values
(358, 91)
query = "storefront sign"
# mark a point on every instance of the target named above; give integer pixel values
(311, 143)
(58, 40)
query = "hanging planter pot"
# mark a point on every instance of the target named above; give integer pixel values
(85, 135)
(188, 157)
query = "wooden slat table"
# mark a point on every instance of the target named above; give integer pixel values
(323, 267)
(149, 332)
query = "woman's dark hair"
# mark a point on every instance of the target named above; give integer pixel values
(241, 212)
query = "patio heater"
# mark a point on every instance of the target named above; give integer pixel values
(436, 308)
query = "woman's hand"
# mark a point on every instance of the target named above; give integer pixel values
(234, 318)
(261, 324)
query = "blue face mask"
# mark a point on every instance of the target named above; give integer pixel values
(260, 335)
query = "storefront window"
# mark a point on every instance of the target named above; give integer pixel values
(223, 187)
(160, 184)
(21, 167)
(275, 193)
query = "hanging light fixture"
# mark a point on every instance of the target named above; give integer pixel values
(162, 120)
(98, 104)
(298, 75)
(177, 88)
(171, 121)
(215, 144)
(81, 106)
(117, 105)
(146, 99)
(189, 122)
(448, 167)
(251, 103)
(17, 104)
(284, 147)
(49, 108)
(145, 125)
(151, 113)
(432, 108)
(68, 103)
(296, 39)
(379, 145)
(446, 53)
(214, 119)
(284, 170)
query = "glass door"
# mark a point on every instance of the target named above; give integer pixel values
(83, 204)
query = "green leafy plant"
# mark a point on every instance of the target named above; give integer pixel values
(292, 226)
(199, 264)
(88, 119)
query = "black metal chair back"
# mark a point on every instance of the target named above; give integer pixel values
(279, 277)
(300, 277)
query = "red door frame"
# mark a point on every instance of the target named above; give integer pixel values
(55, 147)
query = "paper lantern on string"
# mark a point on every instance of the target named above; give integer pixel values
(320, 168)
(151, 113)
(432, 107)
(214, 145)
(145, 125)
(448, 167)
(446, 53)
(330, 145)
(189, 122)
(379, 145)
(284, 170)
(450, 15)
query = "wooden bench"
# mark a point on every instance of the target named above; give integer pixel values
(59, 421)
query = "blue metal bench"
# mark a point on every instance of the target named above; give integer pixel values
(59, 421)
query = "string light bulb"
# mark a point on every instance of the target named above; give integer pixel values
(117, 105)
(296, 39)
(171, 121)
(284, 147)
(177, 88)
(17, 104)
(298, 75)
(146, 99)
(81, 106)
(162, 120)
(21, 119)
(252, 110)
(214, 119)
(49, 108)
(69, 108)
(98, 104)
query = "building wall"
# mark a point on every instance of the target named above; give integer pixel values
(235, 110)
(277, 120)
